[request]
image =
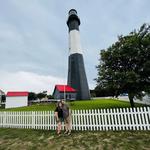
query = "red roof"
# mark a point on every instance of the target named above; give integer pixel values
(17, 93)
(66, 88)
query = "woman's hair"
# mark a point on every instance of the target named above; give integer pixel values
(60, 102)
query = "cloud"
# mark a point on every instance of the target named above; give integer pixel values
(28, 81)
(34, 37)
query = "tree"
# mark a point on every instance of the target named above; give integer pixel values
(125, 66)
(41, 95)
(32, 96)
(3, 98)
(103, 92)
(50, 96)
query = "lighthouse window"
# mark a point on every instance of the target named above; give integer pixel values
(72, 12)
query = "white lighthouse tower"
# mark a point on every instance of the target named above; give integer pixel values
(76, 70)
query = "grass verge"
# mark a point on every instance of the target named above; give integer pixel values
(24, 139)
(86, 104)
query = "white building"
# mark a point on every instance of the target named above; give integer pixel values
(16, 99)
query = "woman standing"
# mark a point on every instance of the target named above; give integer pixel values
(67, 117)
(59, 117)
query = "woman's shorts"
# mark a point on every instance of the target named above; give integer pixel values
(60, 120)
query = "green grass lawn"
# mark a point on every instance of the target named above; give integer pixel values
(87, 104)
(24, 139)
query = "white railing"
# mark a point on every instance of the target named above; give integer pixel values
(100, 119)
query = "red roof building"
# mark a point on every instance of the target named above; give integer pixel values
(66, 88)
(17, 93)
(16, 99)
(64, 92)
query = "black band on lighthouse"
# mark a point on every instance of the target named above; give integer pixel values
(73, 21)
(77, 76)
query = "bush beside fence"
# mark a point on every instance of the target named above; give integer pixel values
(99, 119)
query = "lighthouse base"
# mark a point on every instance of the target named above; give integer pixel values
(77, 76)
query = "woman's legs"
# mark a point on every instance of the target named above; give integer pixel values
(67, 124)
(58, 127)
(66, 127)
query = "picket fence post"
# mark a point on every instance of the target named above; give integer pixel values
(4, 119)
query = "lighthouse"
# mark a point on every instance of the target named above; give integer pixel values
(76, 70)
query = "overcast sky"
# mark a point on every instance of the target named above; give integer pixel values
(34, 38)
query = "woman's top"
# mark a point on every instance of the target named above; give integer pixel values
(59, 111)
(65, 109)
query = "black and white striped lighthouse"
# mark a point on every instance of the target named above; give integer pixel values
(76, 71)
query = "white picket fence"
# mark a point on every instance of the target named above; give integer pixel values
(100, 119)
